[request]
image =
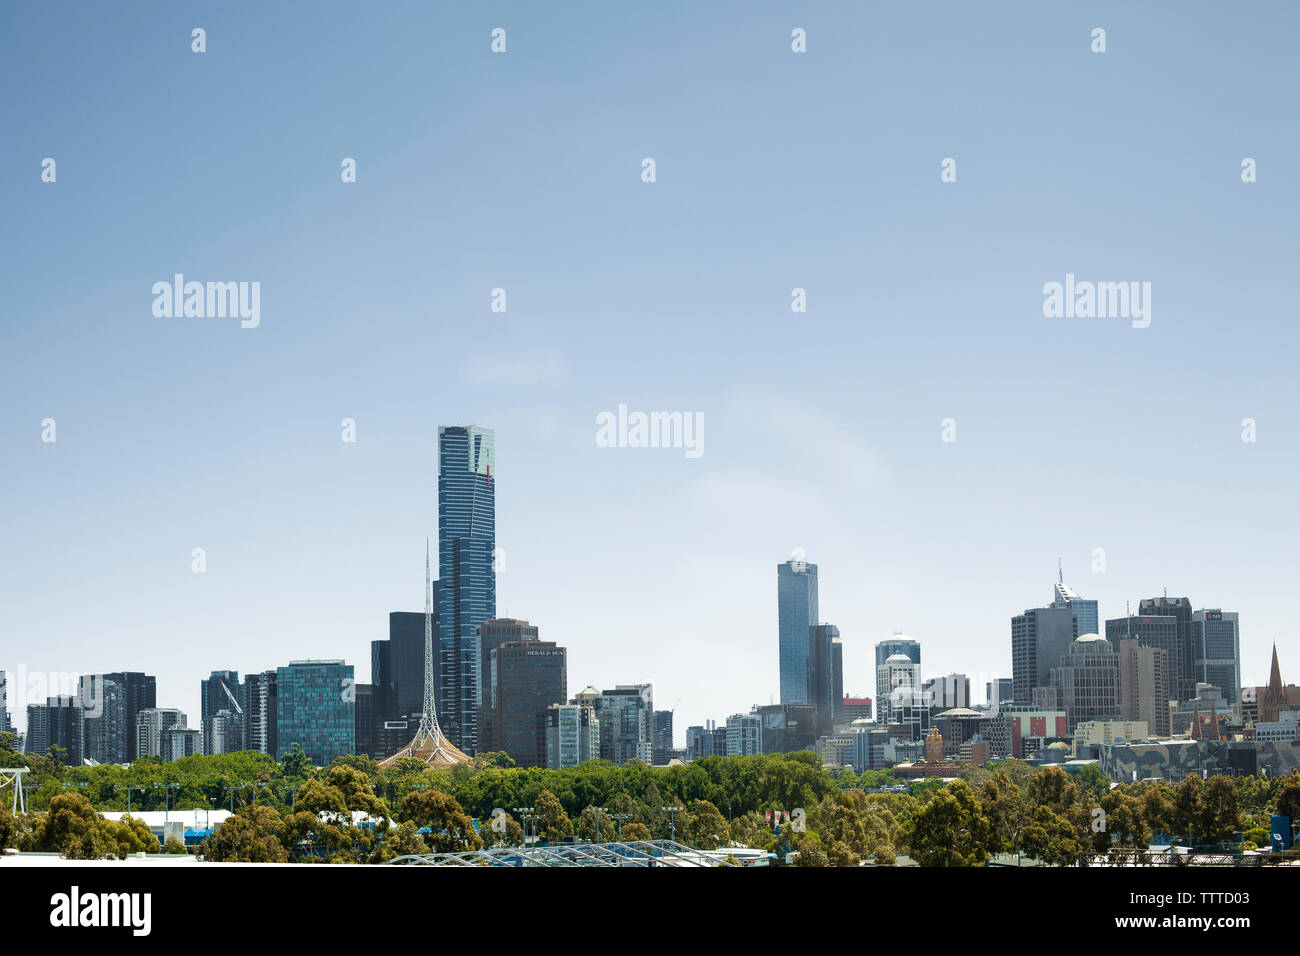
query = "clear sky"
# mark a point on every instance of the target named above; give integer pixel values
(522, 171)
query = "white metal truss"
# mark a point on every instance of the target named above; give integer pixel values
(14, 775)
(642, 853)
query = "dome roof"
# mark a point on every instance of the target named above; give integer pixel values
(1089, 638)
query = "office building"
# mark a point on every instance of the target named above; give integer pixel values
(315, 709)
(823, 645)
(1083, 610)
(466, 593)
(1156, 631)
(1086, 683)
(572, 735)
(999, 692)
(180, 742)
(898, 644)
(947, 692)
(796, 595)
(492, 634)
(1039, 638)
(626, 716)
(1217, 657)
(1144, 692)
(1182, 657)
(897, 686)
(524, 678)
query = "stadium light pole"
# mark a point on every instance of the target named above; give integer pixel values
(128, 790)
(620, 817)
(598, 811)
(526, 814)
(672, 820)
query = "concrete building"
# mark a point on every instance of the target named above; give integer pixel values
(151, 724)
(1039, 638)
(1144, 687)
(572, 735)
(744, 735)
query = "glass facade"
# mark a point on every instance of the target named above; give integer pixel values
(1218, 651)
(316, 709)
(796, 595)
(466, 576)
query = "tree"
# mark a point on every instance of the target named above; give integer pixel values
(250, 836)
(635, 831)
(1051, 839)
(295, 762)
(174, 845)
(586, 827)
(1052, 788)
(399, 841)
(707, 828)
(1288, 799)
(1187, 809)
(1008, 812)
(1220, 817)
(69, 820)
(451, 829)
(1091, 779)
(552, 823)
(950, 830)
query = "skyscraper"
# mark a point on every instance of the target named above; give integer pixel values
(1144, 685)
(1152, 630)
(315, 704)
(466, 574)
(796, 594)
(898, 644)
(261, 712)
(219, 691)
(823, 639)
(1086, 682)
(1084, 611)
(1218, 651)
(1038, 639)
(1182, 661)
(524, 679)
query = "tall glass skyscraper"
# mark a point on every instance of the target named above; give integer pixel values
(1084, 611)
(467, 591)
(796, 596)
(314, 703)
(1218, 651)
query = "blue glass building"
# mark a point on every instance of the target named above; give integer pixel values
(315, 709)
(796, 594)
(467, 592)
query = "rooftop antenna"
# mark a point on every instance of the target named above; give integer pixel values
(1060, 575)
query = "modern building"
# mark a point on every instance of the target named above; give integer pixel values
(1182, 658)
(824, 649)
(786, 727)
(999, 692)
(626, 716)
(855, 708)
(1157, 631)
(492, 634)
(6, 726)
(139, 691)
(898, 685)
(1086, 684)
(663, 736)
(744, 735)
(151, 724)
(55, 723)
(219, 691)
(898, 644)
(947, 692)
(1217, 654)
(466, 574)
(315, 709)
(223, 733)
(1038, 639)
(180, 742)
(572, 735)
(525, 678)
(1084, 611)
(1144, 691)
(796, 595)
(261, 712)
(104, 727)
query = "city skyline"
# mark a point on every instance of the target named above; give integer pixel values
(826, 428)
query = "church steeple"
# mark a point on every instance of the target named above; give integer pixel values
(1274, 701)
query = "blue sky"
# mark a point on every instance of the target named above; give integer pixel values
(522, 171)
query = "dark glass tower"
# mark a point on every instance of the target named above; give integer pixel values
(467, 593)
(796, 599)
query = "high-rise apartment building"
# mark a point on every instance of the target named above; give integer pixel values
(219, 691)
(55, 723)
(572, 735)
(1038, 639)
(104, 727)
(796, 596)
(898, 686)
(744, 735)
(662, 739)
(260, 712)
(466, 573)
(1217, 656)
(152, 724)
(315, 709)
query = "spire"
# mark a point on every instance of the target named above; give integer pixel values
(1060, 574)
(1274, 700)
